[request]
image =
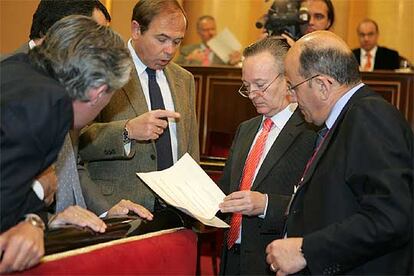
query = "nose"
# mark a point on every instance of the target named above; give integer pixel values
(170, 49)
(311, 20)
(252, 95)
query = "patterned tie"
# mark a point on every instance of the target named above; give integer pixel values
(69, 191)
(163, 143)
(248, 174)
(206, 58)
(368, 64)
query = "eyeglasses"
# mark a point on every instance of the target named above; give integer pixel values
(291, 88)
(245, 91)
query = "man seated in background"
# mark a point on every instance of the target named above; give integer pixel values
(268, 155)
(200, 53)
(371, 56)
(41, 99)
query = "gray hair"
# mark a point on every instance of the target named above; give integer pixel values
(336, 63)
(272, 45)
(81, 54)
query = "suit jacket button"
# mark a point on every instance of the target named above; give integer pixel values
(152, 157)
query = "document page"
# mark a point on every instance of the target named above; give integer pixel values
(223, 44)
(187, 187)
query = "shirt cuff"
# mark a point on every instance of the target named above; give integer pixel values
(127, 148)
(262, 216)
(38, 189)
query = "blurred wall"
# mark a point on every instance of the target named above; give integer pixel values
(395, 19)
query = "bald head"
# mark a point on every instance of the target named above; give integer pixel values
(325, 53)
(320, 68)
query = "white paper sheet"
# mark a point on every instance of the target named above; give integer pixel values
(224, 44)
(186, 186)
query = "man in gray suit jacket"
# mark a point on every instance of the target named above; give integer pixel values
(126, 136)
(288, 146)
(200, 53)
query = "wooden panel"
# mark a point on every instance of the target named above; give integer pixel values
(220, 109)
(397, 88)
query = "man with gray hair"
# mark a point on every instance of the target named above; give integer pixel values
(267, 158)
(64, 82)
(352, 211)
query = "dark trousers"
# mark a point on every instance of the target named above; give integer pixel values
(232, 261)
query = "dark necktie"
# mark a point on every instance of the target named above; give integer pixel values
(163, 143)
(321, 135)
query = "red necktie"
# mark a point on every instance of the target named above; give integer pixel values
(206, 58)
(248, 174)
(368, 63)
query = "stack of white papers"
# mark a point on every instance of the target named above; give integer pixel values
(187, 187)
(224, 44)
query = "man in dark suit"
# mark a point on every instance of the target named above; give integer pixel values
(39, 91)
(131, 132)
(287, 148)
(371, 56)
(70, 205)
(352, 211)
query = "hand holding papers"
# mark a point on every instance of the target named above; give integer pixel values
(187, 187)
(224, 44)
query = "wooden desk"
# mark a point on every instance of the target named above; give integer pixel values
(171, 251)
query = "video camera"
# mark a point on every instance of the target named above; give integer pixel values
(284, 17)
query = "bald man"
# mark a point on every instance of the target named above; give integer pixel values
(371, 56)
(352, 211)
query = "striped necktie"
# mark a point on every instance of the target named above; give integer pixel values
(249, 170)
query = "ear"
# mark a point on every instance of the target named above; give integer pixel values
(135, 29)
(324, 85)
(95, 93)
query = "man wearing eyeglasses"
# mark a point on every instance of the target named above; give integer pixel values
(352, 211)
(267, 158)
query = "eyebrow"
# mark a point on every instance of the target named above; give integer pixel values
(169, 37)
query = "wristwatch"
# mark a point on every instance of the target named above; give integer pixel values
(125, 137)
(35, 220)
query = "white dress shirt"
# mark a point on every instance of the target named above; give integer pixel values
(165, 92)
(363, 58)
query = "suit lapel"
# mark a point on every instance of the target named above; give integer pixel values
(239, 158)
(362, 92)
(176, 85)
(133, 91)
(282, 143)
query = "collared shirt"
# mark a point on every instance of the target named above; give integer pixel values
(363, 58)
(279, 120)
(339, 105)
(165, 92)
